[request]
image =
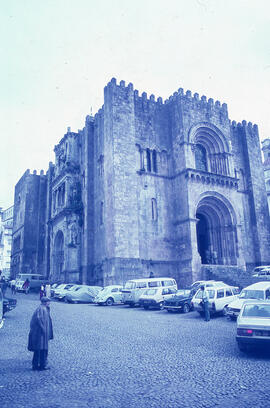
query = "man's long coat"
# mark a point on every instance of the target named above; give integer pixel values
(40, 329)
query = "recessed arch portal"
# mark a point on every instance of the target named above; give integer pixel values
(210, 142)
(58, 252)
(216, 232)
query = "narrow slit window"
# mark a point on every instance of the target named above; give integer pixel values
(148, 158)
(154, 209)
(154, 161)
(101, 213)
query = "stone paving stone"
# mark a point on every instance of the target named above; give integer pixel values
(120, 357)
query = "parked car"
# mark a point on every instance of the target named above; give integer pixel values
(109, 295)
(8, 304)
(220, 296)
(180, 302)
(53, 287)
(82, 294)
(261, 272)
(1, 309)
(134, 288)
(35, 281)
(155, 297)
(253, 325)
(61, 291)
(259, 291)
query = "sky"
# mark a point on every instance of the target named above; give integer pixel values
(57, 56)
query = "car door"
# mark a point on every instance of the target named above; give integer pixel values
(220, 299)
(229, 296)
(166, 293)
(116, 294)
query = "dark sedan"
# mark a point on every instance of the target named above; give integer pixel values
(8, 304)
(180, 302)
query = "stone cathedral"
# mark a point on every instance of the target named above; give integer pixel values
(174, 188)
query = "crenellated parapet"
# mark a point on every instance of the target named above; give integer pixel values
(129, 91)
(199, 103)
(246, 126)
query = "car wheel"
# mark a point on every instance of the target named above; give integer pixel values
(109, 302)
(161, 306)
(146, 307)
(225, 310)
(186, 308)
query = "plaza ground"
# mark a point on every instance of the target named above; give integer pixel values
(119, 357)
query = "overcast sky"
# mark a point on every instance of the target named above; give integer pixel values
(57, 56)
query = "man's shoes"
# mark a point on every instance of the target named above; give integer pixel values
(44, 368)
(35, 368)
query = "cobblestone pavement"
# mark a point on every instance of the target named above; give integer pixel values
(122, 357)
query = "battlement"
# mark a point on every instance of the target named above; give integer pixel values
(130, 90)
(250, 127)
(199, 101)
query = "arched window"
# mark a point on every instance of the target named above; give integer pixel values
(148, 158)
(200, 157)
(154, 161)
(154, 209)
(101, 212)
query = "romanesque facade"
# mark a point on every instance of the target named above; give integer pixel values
(171, 187)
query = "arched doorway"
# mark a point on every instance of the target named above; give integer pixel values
(58, 255)
(216, 232)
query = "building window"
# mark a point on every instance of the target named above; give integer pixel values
(154, 161)
(101, 213)
(154, 209)
(200, 158)
(148, 159)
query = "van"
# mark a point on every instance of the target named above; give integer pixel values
(1, 309)
(220, 296)
(262, 272)
(134, 288)
(258, 291)
(35, 281)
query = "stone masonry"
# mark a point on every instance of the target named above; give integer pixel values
(171, 187)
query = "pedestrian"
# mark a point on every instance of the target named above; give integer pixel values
(42, 291)
(205, 303)
(13, 287)
(48, 290)
(41, 331)
(151, 274)
(4, 286)
(26, 286)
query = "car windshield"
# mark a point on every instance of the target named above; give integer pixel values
(150, 292)
(211, 294)
(256, 311)
(130, 285)
(105, 290)
(182, 292)
(252, 294)
(68, 287)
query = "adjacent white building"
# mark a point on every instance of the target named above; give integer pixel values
(6, 225)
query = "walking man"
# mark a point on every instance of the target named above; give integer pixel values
(205, 301)
(41, 331)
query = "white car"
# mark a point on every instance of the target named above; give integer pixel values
(253, 325)
(82, 294)
(259, 291)
(61, 291)
(109, 295)
(220, 296)
(155, 297)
